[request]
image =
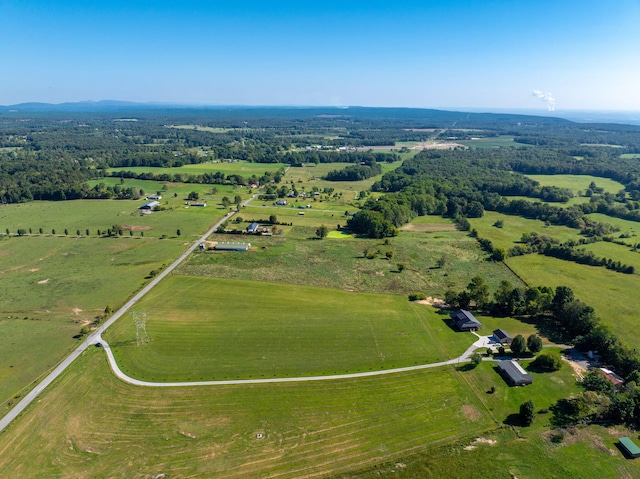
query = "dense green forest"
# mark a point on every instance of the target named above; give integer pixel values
(50, 155)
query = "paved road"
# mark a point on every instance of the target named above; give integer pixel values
(95, 337)
(482, 342)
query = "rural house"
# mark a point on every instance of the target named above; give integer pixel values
(513, 373)
(253, 228)
(502, 337)
(465, 321)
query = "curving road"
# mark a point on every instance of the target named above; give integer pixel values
(95, 337)
(482, 342)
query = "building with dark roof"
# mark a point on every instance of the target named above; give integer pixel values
(464, 321)
(253, 227)
(231, 246)
(149, 206)
(513, 373)
(502, 337)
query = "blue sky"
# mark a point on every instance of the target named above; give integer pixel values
(432, 54)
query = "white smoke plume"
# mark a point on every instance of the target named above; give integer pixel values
(547, 98)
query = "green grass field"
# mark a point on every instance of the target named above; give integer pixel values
(588, 452)
(514, 226)
(616, 252)
(297, 258)
(613, 295)
(53, 286)
(102, 214)
(243, 168)
(90, 424)
(206, 329)
(577, 183)
(631, 228)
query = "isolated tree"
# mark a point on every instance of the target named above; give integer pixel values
(237, 200)
(225, 201)
(87, 232)
(547, 361)
(193, 195)
(66, 231)
(273, 219)
(401, 267)
(40, 230)
(22, 232)
(389, 254)
(534, 343)
(77, 232)
(442, 261)
(53, 231)
(527, 413)
(30, 231)
(322, 232)
(476, 359)
(178, 233)
(518, 345)
(7, 231)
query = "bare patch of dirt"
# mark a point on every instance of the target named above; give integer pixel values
(43, 281)
(76, 311)
(428, 228)
(33, 270)
(188, 434)
(471, 412)
(578, 370)
(432, 301)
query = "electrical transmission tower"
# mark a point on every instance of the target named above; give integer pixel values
(140, 320)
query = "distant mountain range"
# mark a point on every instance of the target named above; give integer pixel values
(497, 115)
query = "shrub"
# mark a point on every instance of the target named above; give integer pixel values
(417, 296)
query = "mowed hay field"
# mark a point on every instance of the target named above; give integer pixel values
(89, 424)
(53, 286)
(613, 295)
(215, 329)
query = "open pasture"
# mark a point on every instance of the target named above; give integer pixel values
(208, 129)
(94, 215)
(311, 175)
(53, 286)
(212, 329)
(587, 452)
(613, 295)
(490, 142)
(243, 168)
(513, 228)
(577, 183)
(93, 425)
(631, 228)
(296, 258)
(616, 252)
(429, 224)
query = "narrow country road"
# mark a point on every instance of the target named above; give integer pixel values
(95, 337)
(482, 342)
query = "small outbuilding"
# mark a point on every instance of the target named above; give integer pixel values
(513, 373)
(502, 337)
(232, 246)
(613, 377)
(463, 320)
(150, 205)
(629, 447)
